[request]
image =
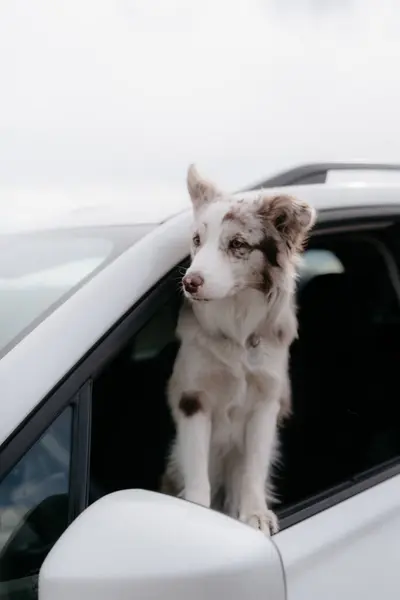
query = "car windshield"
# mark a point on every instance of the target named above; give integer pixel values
(39, 271)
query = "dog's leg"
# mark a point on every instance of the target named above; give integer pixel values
(258, 455)
(193, 449)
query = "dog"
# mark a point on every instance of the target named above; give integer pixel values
(230, 384)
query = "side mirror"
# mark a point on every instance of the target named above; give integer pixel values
(147, 546)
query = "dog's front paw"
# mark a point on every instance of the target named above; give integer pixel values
(266, 521)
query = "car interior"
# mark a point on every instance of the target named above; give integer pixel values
(344, 368)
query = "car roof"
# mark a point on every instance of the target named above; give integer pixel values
(340, 195)
(321, 196)
(378, 184)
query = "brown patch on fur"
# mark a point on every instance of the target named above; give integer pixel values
(280, 334)
(190, 404)
(235, 215)
(285, 223)
(269, 247)
(289, 217)
(265, 281)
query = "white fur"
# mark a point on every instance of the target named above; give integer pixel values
(234, 359)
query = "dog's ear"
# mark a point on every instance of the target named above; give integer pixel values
(291, 218)
(201, 190)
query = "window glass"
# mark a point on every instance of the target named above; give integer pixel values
(345, 358)
(156, 334)
(39, 271)
(318, 261)
(34, 503)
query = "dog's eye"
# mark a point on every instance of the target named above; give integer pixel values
(237, 244)
(196, 240)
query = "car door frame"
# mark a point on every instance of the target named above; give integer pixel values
(37, 423)
(348, 549)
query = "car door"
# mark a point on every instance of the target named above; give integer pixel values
(349, 551)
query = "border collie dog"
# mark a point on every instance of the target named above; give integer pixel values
(230, 385)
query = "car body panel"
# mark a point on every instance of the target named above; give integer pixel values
(350, 550)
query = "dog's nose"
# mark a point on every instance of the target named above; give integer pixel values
(191, 283)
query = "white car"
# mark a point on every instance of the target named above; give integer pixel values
(87, 318)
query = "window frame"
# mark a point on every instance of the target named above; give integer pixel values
(36, 425)
(76, 387)
(348, 220)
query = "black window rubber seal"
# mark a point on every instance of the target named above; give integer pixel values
(361, 482)
(80, 459)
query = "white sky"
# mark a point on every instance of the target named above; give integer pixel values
(109, 100)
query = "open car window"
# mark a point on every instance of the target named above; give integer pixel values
(346, 357)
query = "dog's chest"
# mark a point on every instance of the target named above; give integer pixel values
(246, 379)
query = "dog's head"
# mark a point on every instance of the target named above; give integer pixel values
(241, 243)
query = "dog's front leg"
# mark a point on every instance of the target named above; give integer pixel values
(193, 447)
(258, 455)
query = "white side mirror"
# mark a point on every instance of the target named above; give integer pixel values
(145, 546)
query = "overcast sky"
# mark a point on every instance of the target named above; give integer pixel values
(109, 100)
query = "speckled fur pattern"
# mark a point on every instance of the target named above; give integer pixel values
(230, 386)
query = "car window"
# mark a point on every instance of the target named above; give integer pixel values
(318, 261)
(126, 397)
(155, 335)
(40, 271)
(346, 356)
(34, 509)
